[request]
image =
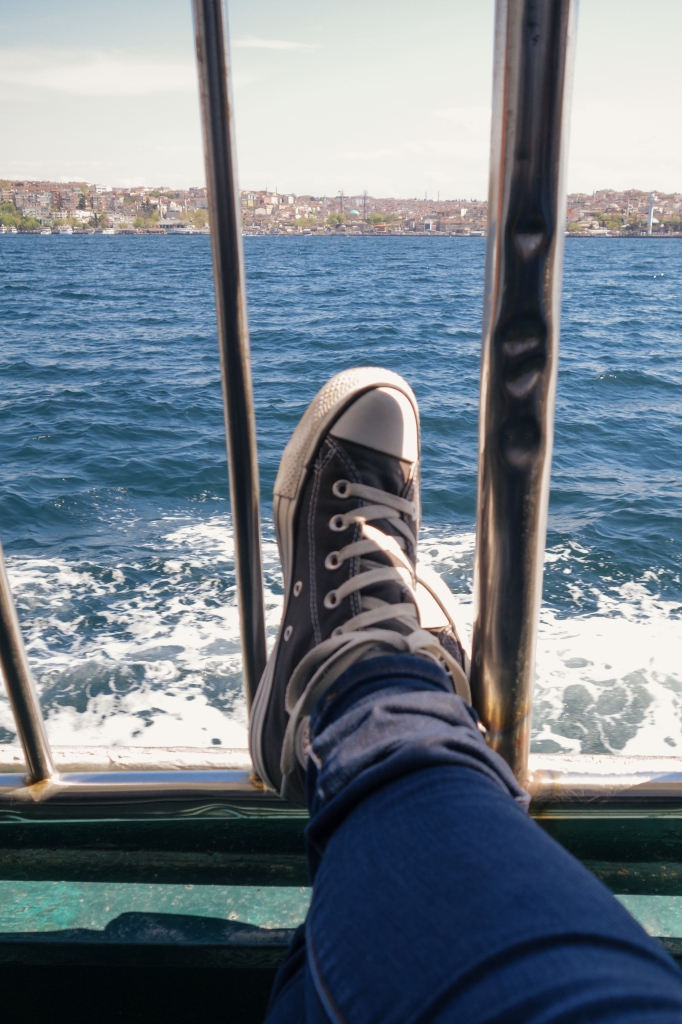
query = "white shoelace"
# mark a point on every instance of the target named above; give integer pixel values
(323, 665)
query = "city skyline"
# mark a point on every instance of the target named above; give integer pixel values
(86, 207)
(365, 96)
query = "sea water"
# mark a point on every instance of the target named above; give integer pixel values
(114, 510)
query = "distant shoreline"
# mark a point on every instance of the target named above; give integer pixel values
(409, 235)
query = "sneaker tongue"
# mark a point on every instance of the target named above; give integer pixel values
(377, 469)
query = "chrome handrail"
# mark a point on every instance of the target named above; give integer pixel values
(213, 64)
(559, 785)
(21, 690)
(534, 45)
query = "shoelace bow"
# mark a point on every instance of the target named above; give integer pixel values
(323, 665)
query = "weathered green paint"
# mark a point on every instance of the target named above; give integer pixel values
(142, 925)
(217, 846)
(224, 887)
(231, 927)
(213, 867)
(39, 907)
(91, 922)
(640, 878)
(224, 846)
(652, 836)
(658, 915)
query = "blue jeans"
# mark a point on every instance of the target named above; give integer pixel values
(435, 896)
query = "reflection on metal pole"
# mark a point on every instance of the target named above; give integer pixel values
(20, 687)
(233, 330)
(534, 44)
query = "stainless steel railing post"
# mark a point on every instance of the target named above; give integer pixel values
(21, 690)
(233, 331)
(534, 45)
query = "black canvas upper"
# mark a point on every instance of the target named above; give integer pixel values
(307, 621)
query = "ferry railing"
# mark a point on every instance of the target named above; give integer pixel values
(534, 40)
(220, 149)
(534, 46)
(28, 716)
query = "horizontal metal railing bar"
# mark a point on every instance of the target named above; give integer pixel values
(560, 779)
(555, 784)
(561, 782)
(143, 796)
(561, 789)
(117, 787)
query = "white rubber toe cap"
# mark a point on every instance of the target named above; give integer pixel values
(382, 419)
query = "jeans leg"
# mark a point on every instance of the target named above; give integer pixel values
(436, 898)
(287, 999)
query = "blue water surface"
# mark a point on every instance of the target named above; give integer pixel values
(114, 508)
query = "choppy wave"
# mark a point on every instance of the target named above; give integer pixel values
(148, 653)
(141, 653)
(608, 680)
(113, 485)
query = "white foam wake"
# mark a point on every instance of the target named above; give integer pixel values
(606, 681)
(147, 653)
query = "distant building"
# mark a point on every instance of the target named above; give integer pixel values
(32, 211)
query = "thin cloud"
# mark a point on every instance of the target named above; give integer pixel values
(255, 43)
(476, 118)
(371, 154)
(95, 72)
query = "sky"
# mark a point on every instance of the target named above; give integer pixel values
(383, 95)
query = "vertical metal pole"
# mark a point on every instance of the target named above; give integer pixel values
(233, 332)
(20, 687)
(534, 45)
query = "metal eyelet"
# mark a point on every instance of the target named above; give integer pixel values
(331, 599)
(332, 561)
(338, 523)
(340, 489)
(287, 632)
(298, 587)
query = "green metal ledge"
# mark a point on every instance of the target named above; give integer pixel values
(136, 924)
(192, 925)
(660, 916)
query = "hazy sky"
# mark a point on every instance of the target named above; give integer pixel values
(385, 95)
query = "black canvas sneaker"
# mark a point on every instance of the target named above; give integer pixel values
(346, 509)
